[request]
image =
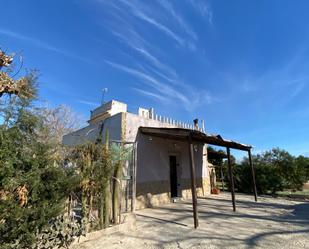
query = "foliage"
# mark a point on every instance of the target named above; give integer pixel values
(33, 189)
(60, 232)
(9, 85)
(104, 174)
(57, 122)
(101, 169)
(12, 105)
(5, 60)
(302, 166)
(18, 87)
(94, 162)
(275, 170)
(119, 155)
(215, 161)
(38, 175)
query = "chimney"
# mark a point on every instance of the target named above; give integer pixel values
(195, 122)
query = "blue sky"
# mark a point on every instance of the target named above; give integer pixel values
(242, 66)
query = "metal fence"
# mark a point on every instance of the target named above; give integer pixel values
(127, 191)
(128, 178)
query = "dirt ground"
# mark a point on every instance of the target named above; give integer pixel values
(269, 223)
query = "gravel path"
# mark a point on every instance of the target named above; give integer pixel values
(270, 223)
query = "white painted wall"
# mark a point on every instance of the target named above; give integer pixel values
(91, 132)
(153, 159)
(153, 153)
(133, 122)
(88, 133)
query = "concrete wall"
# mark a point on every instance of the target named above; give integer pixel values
(91, 132)
(107, 110)
(114, 127)
(153, 169)
(88, 133)
(133, 122)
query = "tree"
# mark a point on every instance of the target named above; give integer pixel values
(57, 122)
(33, 189)
(275, 170)
(9, 85)
(302, 166)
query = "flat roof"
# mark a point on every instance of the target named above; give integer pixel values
(197, 136)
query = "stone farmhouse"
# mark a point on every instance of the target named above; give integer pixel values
(162, 171)
(170, 156)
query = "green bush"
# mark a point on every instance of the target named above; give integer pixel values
(33, 187)
(275, 170)
(60, 232)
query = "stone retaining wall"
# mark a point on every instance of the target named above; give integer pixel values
(151, 194)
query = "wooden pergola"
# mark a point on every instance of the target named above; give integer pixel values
(195, 136)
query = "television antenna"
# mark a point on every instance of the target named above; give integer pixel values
(104, 91)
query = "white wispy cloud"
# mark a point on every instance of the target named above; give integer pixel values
(248, 86)
(298, 89)
(203, 8)
(86, 102)
(178, 18)
(139, 13)
(162, 75)
(162, 88)
(165, 92)
(154, 17)
(279, 87)
(150, 94)
(128, 21)
(34, 41)
(132, 39)
(41, 44)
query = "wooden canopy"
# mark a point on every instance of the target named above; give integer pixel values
(194, 136)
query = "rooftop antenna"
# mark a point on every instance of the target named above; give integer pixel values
(104, 91)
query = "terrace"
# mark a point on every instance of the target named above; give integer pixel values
(269, 223)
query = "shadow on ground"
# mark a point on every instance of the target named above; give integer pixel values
(285, 218)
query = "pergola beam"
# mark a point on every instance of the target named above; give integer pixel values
(197, 136)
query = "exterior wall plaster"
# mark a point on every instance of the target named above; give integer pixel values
(153, 169)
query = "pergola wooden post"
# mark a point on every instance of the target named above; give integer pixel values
(193, 182)
(231, 177)
(253, 175)
(133, 206)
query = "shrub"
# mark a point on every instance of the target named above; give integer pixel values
(275, 170)
(33, 187)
